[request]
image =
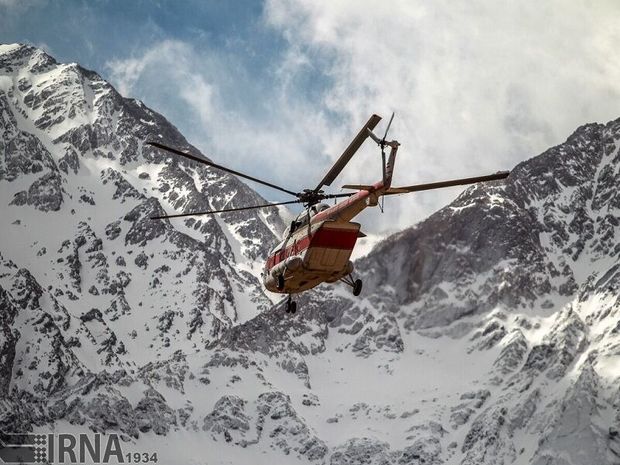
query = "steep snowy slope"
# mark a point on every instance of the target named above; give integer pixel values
(78, 188)
(487, 334)
(527, 270)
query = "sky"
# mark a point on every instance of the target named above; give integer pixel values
(278, 88)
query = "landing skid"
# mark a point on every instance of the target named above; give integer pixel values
(356, 284)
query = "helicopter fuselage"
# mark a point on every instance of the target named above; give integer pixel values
(317, 247)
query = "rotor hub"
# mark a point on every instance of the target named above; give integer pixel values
(311, 197)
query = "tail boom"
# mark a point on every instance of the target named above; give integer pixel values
(368, 195)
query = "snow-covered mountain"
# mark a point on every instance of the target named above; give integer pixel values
(79, 253)
(487, 334)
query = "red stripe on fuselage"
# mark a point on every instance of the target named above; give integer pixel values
(334, 238)
(332, 213)
(328, 238)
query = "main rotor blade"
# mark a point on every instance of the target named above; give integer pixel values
(439, 185)
(349, 152)
(225, 210)
(220, 167)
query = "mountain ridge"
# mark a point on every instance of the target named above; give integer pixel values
(488, 333)
(73, 146)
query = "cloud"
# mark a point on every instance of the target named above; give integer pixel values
(477, 87)
(254, 123)
(166, 65)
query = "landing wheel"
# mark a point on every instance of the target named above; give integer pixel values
(357, 287)
(291, 305)
(356, 284)
(280, 283)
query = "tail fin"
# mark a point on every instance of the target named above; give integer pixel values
(387, 167)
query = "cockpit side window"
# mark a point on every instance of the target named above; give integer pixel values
(302, 220)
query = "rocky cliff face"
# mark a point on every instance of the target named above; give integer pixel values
(487, 334)
(84, 269)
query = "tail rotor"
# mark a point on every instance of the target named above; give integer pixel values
(382, 143)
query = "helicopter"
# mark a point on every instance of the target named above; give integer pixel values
(316, 247)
